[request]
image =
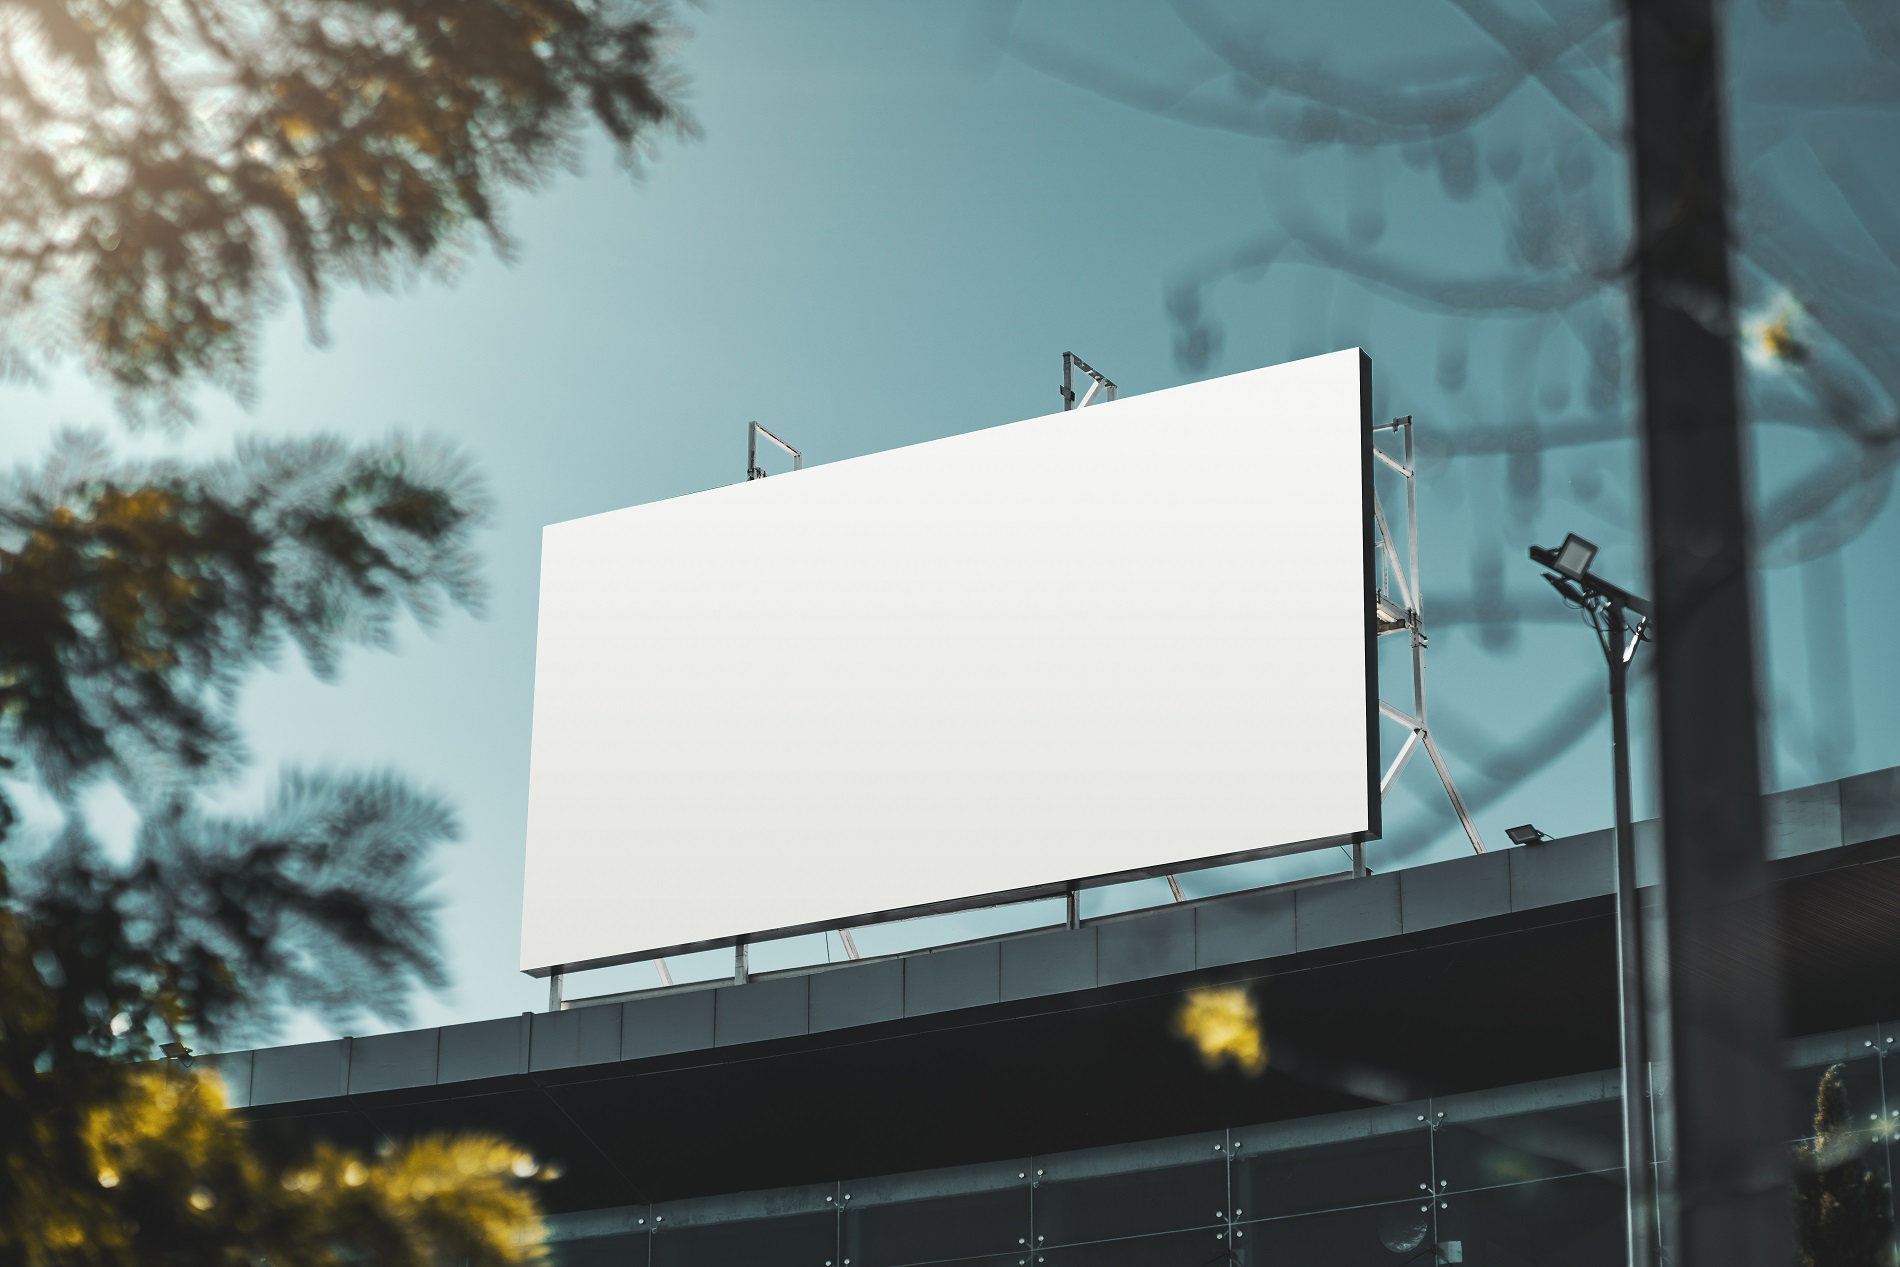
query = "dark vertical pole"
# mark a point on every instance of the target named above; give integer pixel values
(1639, 1178)
(1730, 1200)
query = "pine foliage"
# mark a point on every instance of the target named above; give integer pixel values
(167, 169)
(136, 596)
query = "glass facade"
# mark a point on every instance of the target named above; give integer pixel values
(1528, 1175)
(1385, 1186)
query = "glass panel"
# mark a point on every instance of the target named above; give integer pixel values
(1542, 1145)
(1390, 1234)
(1859, 1078)
(947, 1228)
(1113, 1206)
(1571, 1222)
(797, 1240)
(1331, 1176)
(600, 1251)
(1172, 1249)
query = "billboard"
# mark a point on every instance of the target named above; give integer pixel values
(1123, 640)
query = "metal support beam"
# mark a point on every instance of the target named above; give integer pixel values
(1399, 608)
(555, 981)
(753, 471)
(1729, 1164)
(1071, 363)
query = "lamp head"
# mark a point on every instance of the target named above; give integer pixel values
(1526, 835)
(1574, 557)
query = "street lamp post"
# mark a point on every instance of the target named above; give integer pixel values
(1608, 608)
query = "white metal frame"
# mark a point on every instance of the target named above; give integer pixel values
(1070, 364)
(753, 471)
(1400, 609)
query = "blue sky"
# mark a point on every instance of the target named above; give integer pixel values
(896, 220)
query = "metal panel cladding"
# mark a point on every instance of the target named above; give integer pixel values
(1131, 637)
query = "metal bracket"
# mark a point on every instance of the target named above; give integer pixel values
(1071, 363)
(1398, 608)
(753, 471)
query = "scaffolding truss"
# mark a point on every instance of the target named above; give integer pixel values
(1070, 364)
(753, 471)
(1400, 610)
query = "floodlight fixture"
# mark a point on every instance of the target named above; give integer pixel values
(1526, 835)
(177, 1051)
(1574, 557)
(1570, 575)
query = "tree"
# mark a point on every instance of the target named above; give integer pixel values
(162, 168)
(1843, 1212)
(162, 164)
(135, 596)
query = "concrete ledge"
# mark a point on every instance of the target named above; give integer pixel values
(1346, 911)
(1452, 892)
(234, 1071)
(667, 1023)
(1244, 928)
(945, 980)
(1802, 820)
(1870, 806)
(575, 1036)
(1562, 871)
(761, 1010)
(386, 1061)
(484, 1049)
(1136, 947)
(306, 1071)
(861, 994)
(1055, 962)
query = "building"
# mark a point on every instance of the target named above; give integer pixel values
(1441, 1083)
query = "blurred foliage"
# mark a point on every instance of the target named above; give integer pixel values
(1843, 1211)
(135, 596)
(1223, 1024)
(164, 165)
(138, 593)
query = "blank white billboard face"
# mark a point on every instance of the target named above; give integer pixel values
(1129, 637)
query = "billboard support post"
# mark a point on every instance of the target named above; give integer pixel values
(1071, 363)
(753, 471)
(1399, 608)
